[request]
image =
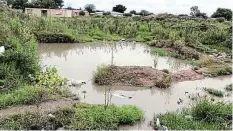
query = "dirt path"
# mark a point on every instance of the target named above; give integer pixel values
(44, 107)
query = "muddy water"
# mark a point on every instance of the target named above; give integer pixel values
(78, 61)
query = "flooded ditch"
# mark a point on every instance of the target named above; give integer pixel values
(78, 61)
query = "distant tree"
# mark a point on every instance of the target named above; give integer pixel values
(133, 12)
(222, 12)
(58, 3)
(53, 4)
(81, 13)
(196, 12)
(119, 8)
(19, 4)
(90, 8)
(145, 13)
(10, 2)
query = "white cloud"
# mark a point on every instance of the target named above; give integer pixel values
(156, 6)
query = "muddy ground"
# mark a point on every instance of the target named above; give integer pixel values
(42, 108)
(145, 76)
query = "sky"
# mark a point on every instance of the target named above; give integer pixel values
(155, 6)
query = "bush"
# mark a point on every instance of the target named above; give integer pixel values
(54, 38)
(229, 87)
(220, 19)
(203, 115)
(214, 92)
(101, 72)
(22, 95)
(95, 117)
(160, 51)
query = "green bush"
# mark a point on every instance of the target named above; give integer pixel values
(159, 51)
(101, 73)
(23, 95)
(229, 87)
(95, 117)
(203, 115)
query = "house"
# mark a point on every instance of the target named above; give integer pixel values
(113, 13)
(53, 12)
(3, 2)
(99, 13)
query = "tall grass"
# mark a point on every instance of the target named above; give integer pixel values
(214, 92)
(203, 115)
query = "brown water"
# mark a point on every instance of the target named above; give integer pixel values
(78, 61)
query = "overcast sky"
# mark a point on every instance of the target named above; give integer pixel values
(155, 6)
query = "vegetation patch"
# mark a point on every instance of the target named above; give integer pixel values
(23, 95)
(159, 51)
(80, 117)
(229, 87)
(214, 92)
(55, 38)
(212, 67)
(203, 115)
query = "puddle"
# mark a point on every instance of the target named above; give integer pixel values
(78, 61)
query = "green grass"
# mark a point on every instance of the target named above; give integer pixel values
(159, 51)
(80, 117)
(101, 73)
(22, 95)
(214, 92)
(206, 115)
(229, 87)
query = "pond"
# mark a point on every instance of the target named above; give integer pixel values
(79, 61)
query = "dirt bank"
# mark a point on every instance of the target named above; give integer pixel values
(144, 76)
(44, 107)
(187, 75)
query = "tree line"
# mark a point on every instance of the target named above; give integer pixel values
(91, 8)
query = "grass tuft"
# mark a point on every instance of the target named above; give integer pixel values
(229, 87)
(159, 51)
(214, 92)
(23, 95)
(203, 115)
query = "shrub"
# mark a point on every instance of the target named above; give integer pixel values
(160, 51)
(204, 115)
(95, 117)
(54, 38)
(229, 87)
(102, 72)
(22, 95)
(214, 92)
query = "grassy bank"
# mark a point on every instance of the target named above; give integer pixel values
(204, 115)
(80, 117)
(21, 78)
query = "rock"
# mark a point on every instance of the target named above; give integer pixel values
(51, 116)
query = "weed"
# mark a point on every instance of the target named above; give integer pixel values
(159, 51)
(214, 92)
(102, 72)
(229, 87)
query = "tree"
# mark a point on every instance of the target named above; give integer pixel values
(81, 13)
(144, 13)
(19, 4)
(54, 4)
(133, 12)
(222, 12)
(90, 8)
(119, 8)
(10, 2)
(196, 12)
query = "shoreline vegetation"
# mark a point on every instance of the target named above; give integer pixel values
(22, 81)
